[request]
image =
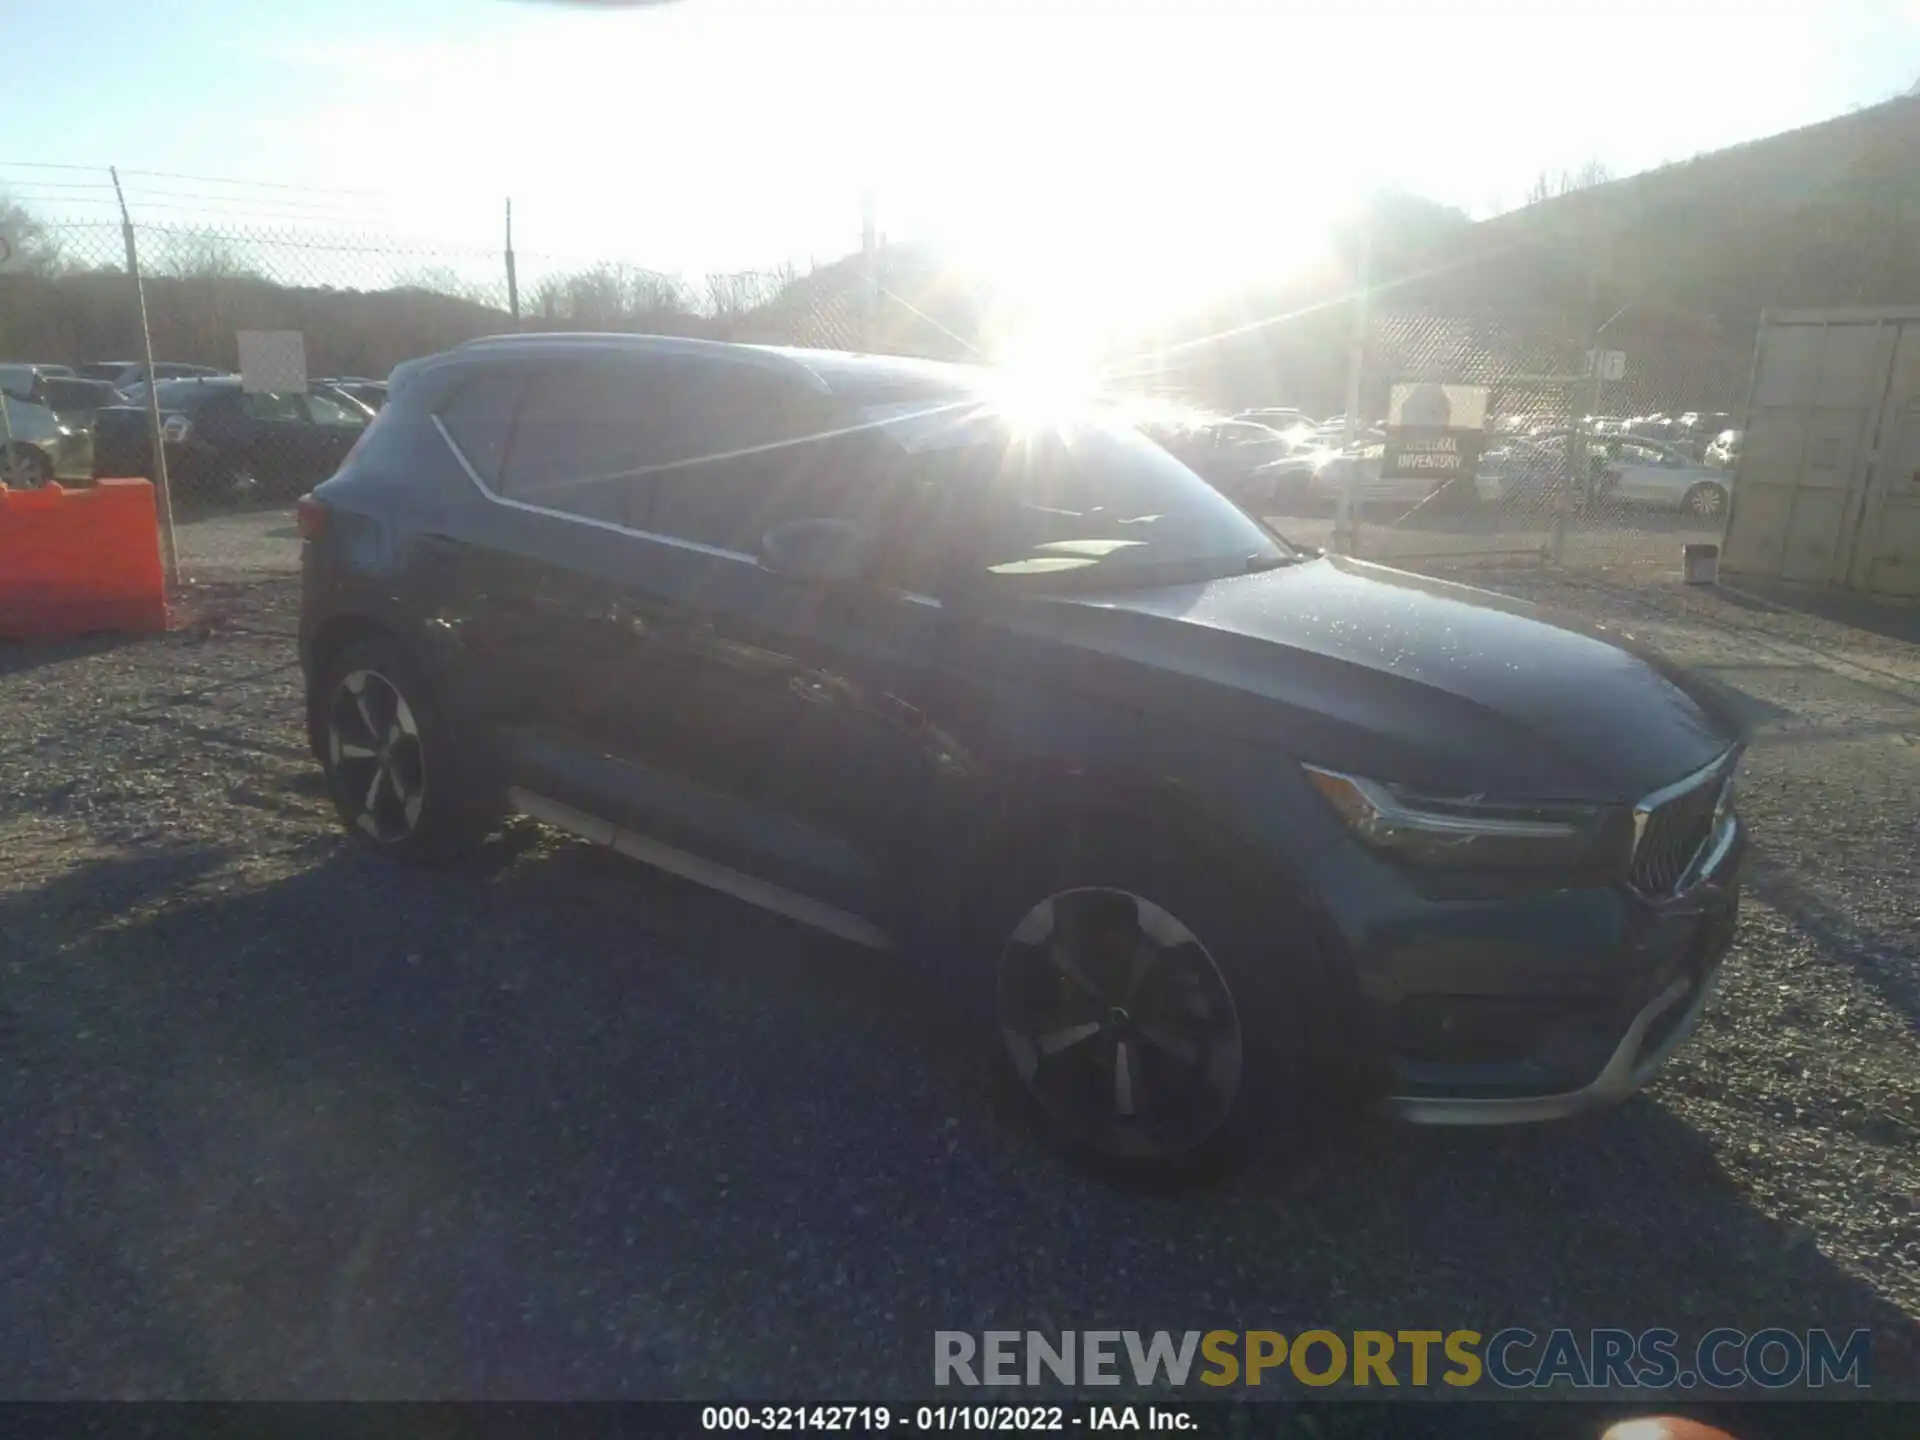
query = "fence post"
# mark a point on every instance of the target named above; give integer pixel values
(513, 280)
(163, 492)
(869, 274)
(1343, 536)
(1578, 462)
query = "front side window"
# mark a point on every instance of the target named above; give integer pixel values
(733, 451)
(267, 405)
(1093, 503)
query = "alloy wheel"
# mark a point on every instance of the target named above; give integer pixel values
(1119, 1024)
(1706, 501)
(374, 752)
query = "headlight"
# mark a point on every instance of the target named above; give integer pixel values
(1466, 831)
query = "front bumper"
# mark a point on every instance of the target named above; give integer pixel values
(1641, 1051)
(1516, 1057)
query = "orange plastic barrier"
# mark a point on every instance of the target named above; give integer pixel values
(75, 561)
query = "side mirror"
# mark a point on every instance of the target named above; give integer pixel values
(818, 551)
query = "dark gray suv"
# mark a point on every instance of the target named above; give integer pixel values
(1197, 829)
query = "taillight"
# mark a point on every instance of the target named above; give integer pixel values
(311, 516)
(175, 428)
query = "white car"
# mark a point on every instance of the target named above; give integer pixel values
(1649, 472)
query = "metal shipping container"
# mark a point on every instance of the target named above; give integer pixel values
(1828, 486)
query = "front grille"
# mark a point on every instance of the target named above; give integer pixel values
(1672, 832)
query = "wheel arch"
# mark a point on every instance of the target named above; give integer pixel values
(328, 640)
(1035, 802)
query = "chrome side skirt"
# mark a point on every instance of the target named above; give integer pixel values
(701, 871)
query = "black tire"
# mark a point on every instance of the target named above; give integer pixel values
(1276, 999)
(397, 773)
(27, 468)
(1705, 501)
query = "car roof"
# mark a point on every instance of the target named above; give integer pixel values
(838, 372)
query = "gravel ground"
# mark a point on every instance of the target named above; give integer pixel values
(283, 1121)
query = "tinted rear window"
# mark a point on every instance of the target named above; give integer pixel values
(80, 393)
(186, 395)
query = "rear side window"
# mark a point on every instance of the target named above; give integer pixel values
(479, 417)
(576, 441)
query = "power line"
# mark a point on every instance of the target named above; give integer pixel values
(57, 184)
(202, 179)
(260, 184)
(45, 165)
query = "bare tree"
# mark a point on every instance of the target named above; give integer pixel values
(441, 280)
(27, 245)
(730, 296)
(1548, 185)
(195, 254)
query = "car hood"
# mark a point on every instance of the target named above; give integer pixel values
(1403, 678)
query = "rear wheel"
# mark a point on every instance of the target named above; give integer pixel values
(393, 763)
(25, 468)
(1705, 501)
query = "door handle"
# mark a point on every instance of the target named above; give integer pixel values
(438, 547)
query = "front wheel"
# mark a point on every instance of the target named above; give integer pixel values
(393, 763)
(1143, 1009)
(25, 468)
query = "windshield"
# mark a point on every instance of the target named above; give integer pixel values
(1088, 504)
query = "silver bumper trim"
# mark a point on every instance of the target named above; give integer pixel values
(1626, 1071)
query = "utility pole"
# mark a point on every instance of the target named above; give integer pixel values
(869, 273)
(1343, 536)
(163, 492)
(513, 280)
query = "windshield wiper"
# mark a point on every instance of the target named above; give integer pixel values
(1256, 563)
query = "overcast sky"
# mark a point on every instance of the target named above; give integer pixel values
(1189, 140)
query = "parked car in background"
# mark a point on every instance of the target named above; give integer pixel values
(1278, 417)
(370, 393)
(1647, 472)
(226, 443)
(122, 373)
(1724, 452)
(23, 380)
(77, 401)
(1186, 827)
(42, 448)
(1229, 454)
(1695, 430)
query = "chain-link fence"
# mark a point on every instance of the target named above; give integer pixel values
(328, 314)
(1588, 453)
(1640, 475)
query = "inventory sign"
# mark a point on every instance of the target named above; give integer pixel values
(273, 361)
(1434, 432)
